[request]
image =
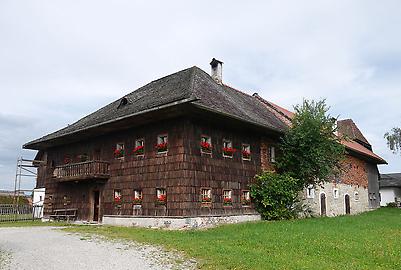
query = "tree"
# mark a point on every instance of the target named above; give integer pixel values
(394, 140)
(310, 150)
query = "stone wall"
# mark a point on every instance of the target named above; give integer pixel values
(336, 206)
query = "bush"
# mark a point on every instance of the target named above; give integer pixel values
(276, 196)
(392, 204)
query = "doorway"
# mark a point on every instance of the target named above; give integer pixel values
(347, 204)
(323, 204)
(96, 205)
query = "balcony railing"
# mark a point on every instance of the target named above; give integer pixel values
(82, 171)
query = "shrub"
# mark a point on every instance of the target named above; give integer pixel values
(392, 204)
(276, 196)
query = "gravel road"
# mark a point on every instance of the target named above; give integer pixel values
(51, 248)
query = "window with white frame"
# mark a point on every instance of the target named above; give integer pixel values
(310, 192)
(206, 144)
(162, 143)
(137, 196)
(119, 151)
(356, 196)
(336, 193)
(206, 195)
(117, 196)
(227, 198)
(272, 154)
(228, 150)
(245, 197)
(139, 148)
(161, 196)
(246, 151)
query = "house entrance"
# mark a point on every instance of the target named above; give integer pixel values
(347, 204)
(96, 205)
(323, 204)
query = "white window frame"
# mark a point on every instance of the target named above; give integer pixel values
(120, 146)
(310, 192)
(227, 193)
(208, 140)
(227, 144)
(272, 154)
(138, 194)
(246, 147)
(140, 142)
(162, 138)
(356, 196)
(336, 193)
(206, 193)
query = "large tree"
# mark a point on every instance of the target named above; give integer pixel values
(394, 140)
(311, 151)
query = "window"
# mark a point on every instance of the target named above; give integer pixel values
(336, 193)
(310, 192)
(162, 143)
(206, 144)
(246, 197)
(137, 196)
(119, 151)
(227, 199)
(139, 148)
(356, 196)
(272, 154)
(246, 152)
(228, 150)
(161, 196)
(206, 195)
(117, 196)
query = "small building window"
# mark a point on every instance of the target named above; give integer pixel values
(206, 195)
(245, 198)
(139, 149)
(119, 151)
(228, 150)
(310, 192)
(227, 199)
(246, 151)
(162, 143)
(161, 196)
(336, 193)
(206, 144)
(117, 197)
(272, 154)
(137, 196)
(356, 196)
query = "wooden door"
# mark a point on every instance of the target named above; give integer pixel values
(323, 204)
(347, 204)
(96, 205)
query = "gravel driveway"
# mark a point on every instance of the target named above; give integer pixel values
(50, 248)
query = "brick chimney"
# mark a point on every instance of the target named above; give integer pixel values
(217, 70)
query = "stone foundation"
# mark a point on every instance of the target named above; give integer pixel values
(175, 223)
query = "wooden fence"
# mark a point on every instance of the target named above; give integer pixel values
(9, 212)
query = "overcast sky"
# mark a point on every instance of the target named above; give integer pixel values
(60, 60)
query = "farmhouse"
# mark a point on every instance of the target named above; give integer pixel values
(390, 188)
(184, 148)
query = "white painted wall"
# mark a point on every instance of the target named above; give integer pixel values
(38, 200)
(388, 194)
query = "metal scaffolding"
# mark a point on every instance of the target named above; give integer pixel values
(25, 171)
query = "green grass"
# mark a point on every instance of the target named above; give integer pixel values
(367, 241)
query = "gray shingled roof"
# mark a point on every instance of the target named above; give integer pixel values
(193, 85)
(390, 180)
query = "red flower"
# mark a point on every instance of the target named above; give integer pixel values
(227, 201)
(161, 147)
(206, 146)
(206, 199)
(139, 150)
(229, 151)
(137, 200)
(246, 154)
(161, 198)
(119, 152)
(117, 200)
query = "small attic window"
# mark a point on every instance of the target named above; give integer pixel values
(124, 101)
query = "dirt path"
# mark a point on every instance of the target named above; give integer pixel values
(50, 248)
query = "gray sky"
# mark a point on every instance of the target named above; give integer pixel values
(60, 60)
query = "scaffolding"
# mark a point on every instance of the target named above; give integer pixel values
(26, 169)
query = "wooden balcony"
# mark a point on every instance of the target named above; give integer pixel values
(82, 171)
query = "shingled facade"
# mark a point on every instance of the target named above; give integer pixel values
(185, 145)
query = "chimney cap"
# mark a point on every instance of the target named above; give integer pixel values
(215, 62)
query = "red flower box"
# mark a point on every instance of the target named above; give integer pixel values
(118, 153)
(206, 147)
(137, 201)
(229, 151)
(227, 201)
(117, 200)
(139, 150)
(246, 154)
(161, 147)
(206, 200)
(161, 199)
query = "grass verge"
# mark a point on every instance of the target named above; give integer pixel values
(367, 241)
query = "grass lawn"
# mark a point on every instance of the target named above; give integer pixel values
(367, 241)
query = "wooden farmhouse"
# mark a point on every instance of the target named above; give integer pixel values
(183, 148)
